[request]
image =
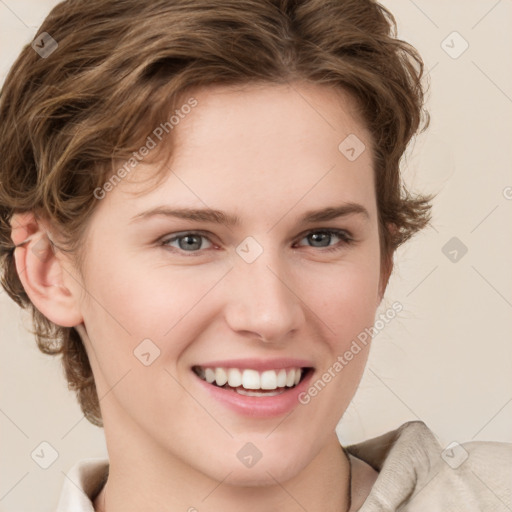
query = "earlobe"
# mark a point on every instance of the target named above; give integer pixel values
(41, 271)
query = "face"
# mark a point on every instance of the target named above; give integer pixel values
(282, 288)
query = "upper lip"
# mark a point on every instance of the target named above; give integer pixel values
(258, 364)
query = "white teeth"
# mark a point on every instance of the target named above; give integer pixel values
(209, 375)
(221, 377)
(251, 379)
(268, 380)
(234, 377)
(290, 378)
(281, 379)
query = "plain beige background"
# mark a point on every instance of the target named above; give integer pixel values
(446, 360)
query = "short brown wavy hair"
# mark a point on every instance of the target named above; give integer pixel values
(121, 66)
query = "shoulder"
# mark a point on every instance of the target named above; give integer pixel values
(81, 485)
(479, 472)
(417, 473)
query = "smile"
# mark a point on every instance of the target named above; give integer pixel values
(250, 382)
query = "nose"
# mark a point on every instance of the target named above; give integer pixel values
(262, 299)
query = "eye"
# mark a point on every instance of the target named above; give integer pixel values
(193, 242)
(188, 242)
(323, 238)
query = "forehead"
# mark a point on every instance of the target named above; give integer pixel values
(259, 142)
(260, 119)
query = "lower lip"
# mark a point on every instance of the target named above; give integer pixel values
(258, 406)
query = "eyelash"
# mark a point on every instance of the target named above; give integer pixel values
(345, 237)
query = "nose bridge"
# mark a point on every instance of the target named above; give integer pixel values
(261, 298)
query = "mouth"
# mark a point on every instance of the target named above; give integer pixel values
(254, 383)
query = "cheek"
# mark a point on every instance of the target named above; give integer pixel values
(346, 302)
(141, 300)
(141, 317)
(344, 296)
(129, 303)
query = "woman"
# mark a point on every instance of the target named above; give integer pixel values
(200, 205)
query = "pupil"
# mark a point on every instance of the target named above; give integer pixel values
(321, 236)
(191, 242)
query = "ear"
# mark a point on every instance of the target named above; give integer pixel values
(40, 267)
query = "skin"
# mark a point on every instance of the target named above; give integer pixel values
(267, 154)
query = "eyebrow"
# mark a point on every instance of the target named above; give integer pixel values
(220, 217)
